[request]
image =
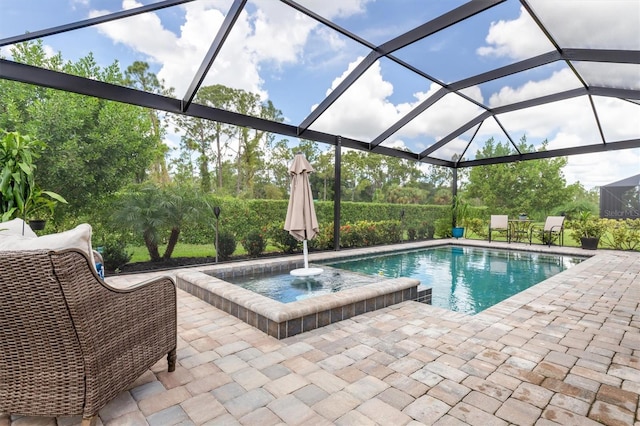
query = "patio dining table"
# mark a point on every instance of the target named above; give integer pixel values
(520, 229)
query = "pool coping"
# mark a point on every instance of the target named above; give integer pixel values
(282, 320)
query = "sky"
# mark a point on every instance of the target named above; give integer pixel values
(294, 61)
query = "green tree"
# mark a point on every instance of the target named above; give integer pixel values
(217, 142)
(139, 77)
(94, 146)
(579, 200)
(278, 162)
(535, 187)
(325, 174)
(367, 176)
(405, 195)
(251, 142)
(210, 139)
(353, 174)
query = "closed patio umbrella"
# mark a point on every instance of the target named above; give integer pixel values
(301, 220)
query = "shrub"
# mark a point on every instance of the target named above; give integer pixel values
(443, 228)
(227, 244)
(426, 230)
(412, 234)
(572, 209)
(254, 243)
(324, 238)
(478, 227)
(549, 239)
(114, 253)
(390, 232)
(623, 234)
(368, 233)
(282, 239)
(349, 237)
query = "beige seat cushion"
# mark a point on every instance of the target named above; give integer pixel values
(78, 237)
(16, 227)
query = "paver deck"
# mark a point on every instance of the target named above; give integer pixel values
(566, 351)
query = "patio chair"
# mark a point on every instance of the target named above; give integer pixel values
(553, 225)
(499, 223)
(69, 342)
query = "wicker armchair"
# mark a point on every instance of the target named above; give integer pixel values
(69, 343)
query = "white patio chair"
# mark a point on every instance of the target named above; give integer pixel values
(554, 225)
(499, 223)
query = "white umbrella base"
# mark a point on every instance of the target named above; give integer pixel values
(306, 272)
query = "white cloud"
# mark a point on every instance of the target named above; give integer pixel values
(452, 149)
(363, 111)
(619, 118)
(559, 81)
(592, 24)
(273, 34)
(75, 3)
(623, 76)
(584, 24)
(517, 39)
(445, 116)
(181, 55)
(280, 33)
(336, 8)
(5, 51)
(602, 168)
(49, 51)
(569, 122)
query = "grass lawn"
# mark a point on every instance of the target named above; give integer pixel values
(140, 253)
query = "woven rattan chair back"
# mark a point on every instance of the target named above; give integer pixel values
(70, 343)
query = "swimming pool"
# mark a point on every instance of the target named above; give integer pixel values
(463, 279)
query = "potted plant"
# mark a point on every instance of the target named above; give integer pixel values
(588, 229)
(40, 202)
(19, 194)
(459, 213)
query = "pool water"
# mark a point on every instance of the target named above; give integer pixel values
(464, 279)
(286, 288)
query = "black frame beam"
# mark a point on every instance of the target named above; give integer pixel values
(32, 75)
(585, 149)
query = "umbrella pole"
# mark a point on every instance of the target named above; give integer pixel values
(306, 254)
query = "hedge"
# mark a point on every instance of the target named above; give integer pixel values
(242, 216)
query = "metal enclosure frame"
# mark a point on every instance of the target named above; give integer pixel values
(184, 105)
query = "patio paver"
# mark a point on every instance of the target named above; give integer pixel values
(566, 351)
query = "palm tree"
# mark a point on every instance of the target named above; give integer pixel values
(150, 210)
